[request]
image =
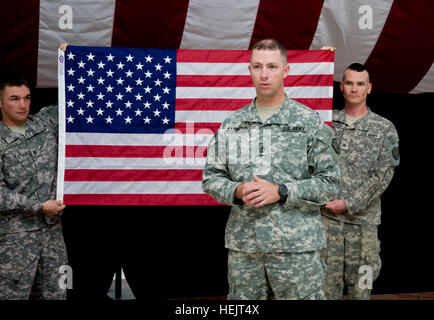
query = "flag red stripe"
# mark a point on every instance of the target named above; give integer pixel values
(234, 104)
(211, 104)
(163, 28)
(132, 175)
(112, 151)
(241, 56)
(246, 81)
(317, 103)
(405, 49)
(292, 22)
(197, 127)
(218, 56)
(140, 199)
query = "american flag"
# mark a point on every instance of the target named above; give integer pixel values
(135, 123)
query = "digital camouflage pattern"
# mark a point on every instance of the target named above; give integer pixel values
(350, 246)
(28, 172)
(291, 147)
(28, 167)
(294, 276)
(30, 262)
(369, 153)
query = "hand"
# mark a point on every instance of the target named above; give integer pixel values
(336, 206)
(52, 207)
(63, 46)
(332, 49)
(258, 193)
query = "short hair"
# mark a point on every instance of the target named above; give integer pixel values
(12, 82)
(271, 44)
(358, 67)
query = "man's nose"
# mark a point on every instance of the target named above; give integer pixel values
(22, 104)
(264, 73)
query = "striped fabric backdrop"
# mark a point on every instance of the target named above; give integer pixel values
(395, 39)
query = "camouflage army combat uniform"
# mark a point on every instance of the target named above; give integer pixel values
(31, 245)
(369, 153)
(277, 244)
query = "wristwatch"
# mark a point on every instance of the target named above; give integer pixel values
(283, 193)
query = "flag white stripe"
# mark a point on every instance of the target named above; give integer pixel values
(134, 187)
(345, 25)
(131, 139)
(249, 92)
(241, 69)
(219, 24)
(95, 163)
(219, 116)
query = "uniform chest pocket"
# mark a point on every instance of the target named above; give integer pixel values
(289, 153)
(43, 149)
(364, 149)
(17, 164)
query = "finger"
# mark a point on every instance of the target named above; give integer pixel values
(250, 187)
(252, 199)
(257, 179)
(260, 202)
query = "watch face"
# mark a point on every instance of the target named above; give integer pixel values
(283, 191)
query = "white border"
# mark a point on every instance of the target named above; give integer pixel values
(61, 150)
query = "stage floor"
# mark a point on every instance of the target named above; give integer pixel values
(127, 294)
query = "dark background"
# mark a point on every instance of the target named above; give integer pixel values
(178, 252)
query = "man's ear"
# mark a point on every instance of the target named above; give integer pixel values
(369, 87)
(286, 70)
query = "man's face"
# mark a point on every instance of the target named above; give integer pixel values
(15, 105)
(355, 87)
(268, 70)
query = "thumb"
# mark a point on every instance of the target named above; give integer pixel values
(256, 178)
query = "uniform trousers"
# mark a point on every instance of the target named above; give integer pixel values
(353, 259)
(30, 262)
(283, 276)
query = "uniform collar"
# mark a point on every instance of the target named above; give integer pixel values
(280, 117)
(361, 124)
(32, 128)
(7, 134)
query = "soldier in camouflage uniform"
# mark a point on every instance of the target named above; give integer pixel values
(369, 154)
(31, 241)
(271, 162)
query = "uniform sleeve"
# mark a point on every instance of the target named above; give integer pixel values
(50, 115)
(12, 200)
(322, 186)
(381, 177)
(216, 180)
